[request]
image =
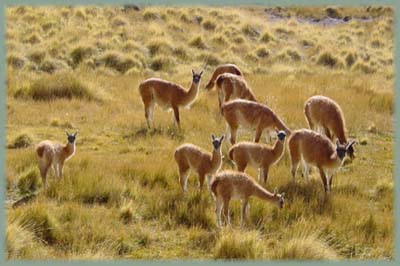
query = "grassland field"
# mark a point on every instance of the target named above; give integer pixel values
(74, 68)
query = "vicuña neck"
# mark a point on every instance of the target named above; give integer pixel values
(69, 148)
(216, 160)
(278, 148)
(262, 193)
(191, 94)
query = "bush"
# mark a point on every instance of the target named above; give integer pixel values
(350, 59)
(332, 12)
(22, 141)
(250, 31)
(56, 86)
(262, 52)
(33, 39)
(37, 56)
(29, 181)
(197, 42)
(157, 47)
(48, 66)
(149, 15)
(238, 245)
(266, 37)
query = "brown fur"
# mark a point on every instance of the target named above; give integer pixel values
(315, 149)
(166, 94)
(258, 155)
(229, 185)
(231, 86)
(226, 68)
(252, 115)
(53, 154)
(321, 111)
(202, 162)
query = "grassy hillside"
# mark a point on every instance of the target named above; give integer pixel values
(79, 68)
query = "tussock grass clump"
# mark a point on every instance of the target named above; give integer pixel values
(238, 245)
(23, 140)
(63, 85)
(118, 62)
(39, 220)
(118, 22)
(15, 61)
(262, 52)
(161, 63)
(33, 38)
(48, 66)
(37, 56)
(368, 227)
(350, 59)
(377, 44)
(159, 46)
(180, 52)
(79, 53)
(21, 243)
(29, 181)
(195, 211)
(328, 60)
(202, 239)
(266, 37)
(305, 248)
(250, 31)
(219, 40)
(209, 59)
(363, 67)
(126, 213)
(197, 42)
(209, 25)
(150, 15)
(333, 12)
(294, 55)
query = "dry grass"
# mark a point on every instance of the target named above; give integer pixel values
(120, 197)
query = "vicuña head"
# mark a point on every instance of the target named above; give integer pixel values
(313, 148)
(229, 185)
(200, 161)
(54, 154)
(168, 95)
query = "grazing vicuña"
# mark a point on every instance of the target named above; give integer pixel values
(229, 185)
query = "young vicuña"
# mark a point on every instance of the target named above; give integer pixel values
(231, 86)
(52, 153)
(202, 162)
(317, 150)
(326, 115)
(225, 68)
(260, 156)
(250, 114)
(168, 95)
(229, 185)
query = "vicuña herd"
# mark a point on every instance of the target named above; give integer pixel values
(239, 107)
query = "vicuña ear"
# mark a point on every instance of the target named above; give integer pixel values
(351, 143)
(337, 143)
(201, 73)
(192, 72)
(275, 191)
(222, 138)
(67, 133)
(76, 133)
(212, 137)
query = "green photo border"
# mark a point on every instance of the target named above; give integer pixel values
(123, 262)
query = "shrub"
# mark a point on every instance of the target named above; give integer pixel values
(180, 52)
(157, 46)
(350, 59)
(62, 85)
(118, 22)
(332, 12)
(48, 66)
(377, 44)
(29, 180)
(294, 55)
(22, 141)
(220, 40)
(238, 245)
(209, 25)
(33, 39)
(197, 42)
(118, 62)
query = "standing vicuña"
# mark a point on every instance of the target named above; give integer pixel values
(233, 86)
(229, 185)
(168, 95)
(260, 156)
(323, 112)
(52, 153)
(226, 68)
(205, 164)
(251, 115)
(317, 150)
